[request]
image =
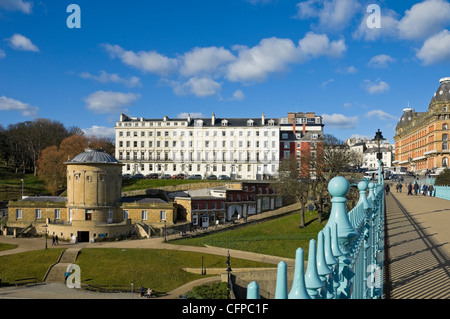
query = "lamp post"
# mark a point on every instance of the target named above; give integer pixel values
(46, 231)
(379, 139)
(229, 270)
(165, 231)
(22, 187)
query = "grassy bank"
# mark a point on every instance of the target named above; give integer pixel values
(279, 237)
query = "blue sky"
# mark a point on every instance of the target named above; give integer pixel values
(237, 58)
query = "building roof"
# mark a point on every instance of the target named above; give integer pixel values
(93, 156)
(443, 93)
(55, 199)
(142, 200)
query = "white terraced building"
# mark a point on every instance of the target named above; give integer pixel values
(241, 148)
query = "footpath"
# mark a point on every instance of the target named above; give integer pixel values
(417, 247)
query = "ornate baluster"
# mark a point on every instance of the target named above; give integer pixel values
(312, 279)
(337, 253)
(281, 291)
(338, 189)
(298, 290)
(253, 290)
(331, 262)
(322, 268)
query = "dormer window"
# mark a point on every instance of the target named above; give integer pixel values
(224, 123)
(199, 123)
(271, 122)
(250, 123)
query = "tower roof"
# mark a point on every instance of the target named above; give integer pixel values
(443, 93)
(93, 156)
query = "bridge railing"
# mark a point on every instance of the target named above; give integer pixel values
(346, 260)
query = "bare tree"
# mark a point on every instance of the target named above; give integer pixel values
(293, 188)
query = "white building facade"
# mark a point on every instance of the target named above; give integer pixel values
(240, 148)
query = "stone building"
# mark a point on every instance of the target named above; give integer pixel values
(94, 206)
(421, 138)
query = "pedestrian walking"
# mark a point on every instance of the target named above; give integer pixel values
(400, 187)
(397, 187)
(431, 189)
(387, 189)
(53, 240)
(424, 189)
(416, 188)
(56, 240)
(410, 188)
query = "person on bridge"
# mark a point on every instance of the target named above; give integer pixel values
(387, 189)
(410, 188)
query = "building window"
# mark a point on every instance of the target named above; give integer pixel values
(163, 215)
(125, 214)
(38, 213)
(57, 214)
(445, 162)
(144, 215)
(110, 215)
(18, 213)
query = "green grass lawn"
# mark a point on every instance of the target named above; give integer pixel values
(279, 237)
(4, 246)
(31, 264)
(159, 269)
(11, 185)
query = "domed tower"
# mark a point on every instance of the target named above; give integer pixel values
(440, 103)
(94, 187)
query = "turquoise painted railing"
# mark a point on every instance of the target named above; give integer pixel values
(346, 260)
(442, 192)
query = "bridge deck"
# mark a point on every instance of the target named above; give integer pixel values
(417, 247)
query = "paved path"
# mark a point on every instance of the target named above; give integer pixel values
(418, 247)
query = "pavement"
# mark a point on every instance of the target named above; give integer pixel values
(418, 247)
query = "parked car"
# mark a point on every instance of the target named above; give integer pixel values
(195, 176)
(224, 177)
(166, 176)
(152, 176)
(212, 177)
(179, 176)
(126, 176)
(137, 176)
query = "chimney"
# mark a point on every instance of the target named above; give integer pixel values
(213, 119)
(189, 119)
(263, 119)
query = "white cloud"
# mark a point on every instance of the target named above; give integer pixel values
(314, 45)
(381, 115)
(256, 63)
(110, 102)
(348, 70)
(2, 54)
(145, 61)
(17, 5)
(381, 61)
(100, 131)
(424, 19)
(238, 95)
(436, 49)
(376, 87)
(340, 121)
(22, 43)
(198, 86)
(205, 60)
(194, 115)
(105, 77)
(333, 15)
(324, 84)
(8, 104)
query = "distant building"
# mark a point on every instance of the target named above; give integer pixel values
(421, 138)
(241, 148)
(368, 150)
(301, 138)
